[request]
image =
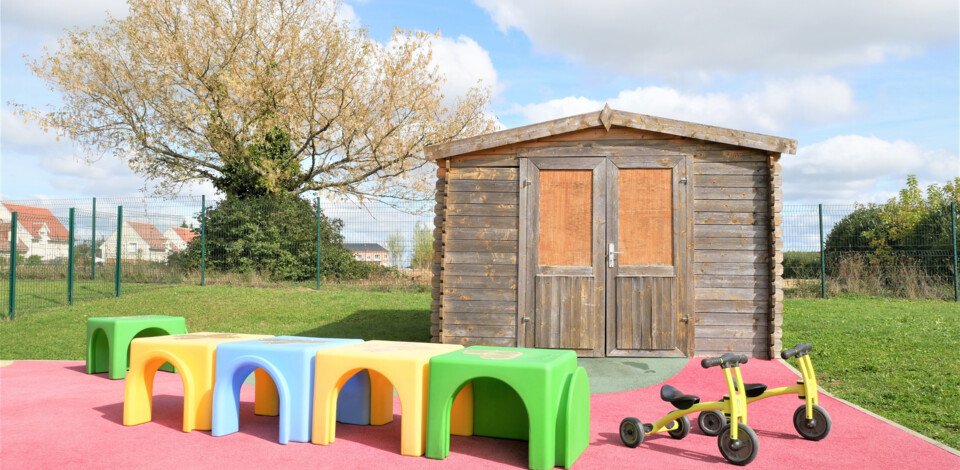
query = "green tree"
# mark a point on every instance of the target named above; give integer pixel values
(396, 248)
(422, 246)
(275, 237)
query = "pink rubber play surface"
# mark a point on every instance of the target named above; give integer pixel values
(52, 415)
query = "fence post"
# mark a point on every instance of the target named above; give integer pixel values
(70, 253)
(823, 261)
(203, 240)
(116, 272)
(93, 241)
(953, 237)
(318, 242)
(12, 300)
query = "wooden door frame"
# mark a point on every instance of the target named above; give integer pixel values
(683, 253)
(679, 164)
(529, 239)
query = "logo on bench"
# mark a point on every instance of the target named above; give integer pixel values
(495, 355)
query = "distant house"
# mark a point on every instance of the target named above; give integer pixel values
(40, 232)
(178, 238)
(5, 239)
(370, 252)
(141, 241)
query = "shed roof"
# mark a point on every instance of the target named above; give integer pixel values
(608, 117)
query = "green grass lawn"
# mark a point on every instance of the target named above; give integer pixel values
(897, 358)
(354, 312)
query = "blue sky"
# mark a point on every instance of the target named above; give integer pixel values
(870, 90)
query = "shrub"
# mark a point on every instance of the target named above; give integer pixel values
(275, 237)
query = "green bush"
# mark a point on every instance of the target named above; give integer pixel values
(275, 237)
(801, 264)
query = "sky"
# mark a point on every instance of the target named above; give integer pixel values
(871, 90)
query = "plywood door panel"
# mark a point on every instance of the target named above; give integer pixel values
(565, 212)
(646, 216)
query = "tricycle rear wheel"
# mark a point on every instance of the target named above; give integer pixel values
(631, 432)
(711, 422)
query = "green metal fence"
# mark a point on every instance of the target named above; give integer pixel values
(835, 249)
(66, 251)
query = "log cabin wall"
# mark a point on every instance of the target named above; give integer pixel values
(736, 241)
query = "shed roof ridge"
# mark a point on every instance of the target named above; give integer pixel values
(616, 118)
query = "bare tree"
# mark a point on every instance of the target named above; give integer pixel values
(258, 97)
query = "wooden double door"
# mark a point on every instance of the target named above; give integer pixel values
(605, 243)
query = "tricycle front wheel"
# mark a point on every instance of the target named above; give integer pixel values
(812, 429)
(742, 450)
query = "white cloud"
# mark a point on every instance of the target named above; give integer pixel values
(53, 16)
(666, 38)
(464, 64)
(861, 168)
(31, 155)
(804, 100)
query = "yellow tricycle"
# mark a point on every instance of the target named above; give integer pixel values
(737, 442)
(810, 420)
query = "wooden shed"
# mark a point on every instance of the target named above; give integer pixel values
(613, 234)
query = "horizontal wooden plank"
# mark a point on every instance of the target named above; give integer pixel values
(732, 269)
(460, 293)
(732, 331)
(711, 346)
(502, 174)
(732, 218)
(721, 156)
(484, 331)
(473, 221)
(728, 181)
(732, 281)
(472, 341)
(472, 257)
(482, 198)
(480, 282)
(482, 186)
(732, 306)
(731, 293)
(478, 306)
(722, 243)
(731, 205)
(729, 231)
(484, 246)
(456, 269)
(492, 210)
(723, 193)
(736, 319)
(730, 256)
(730, 168)
(461, 318)
(457, 233)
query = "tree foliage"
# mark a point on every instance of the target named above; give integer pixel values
(258, 97)
(913, 221)
(422, 247)
(275, 237)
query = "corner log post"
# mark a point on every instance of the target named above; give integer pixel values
(436, 305)
(776, 256)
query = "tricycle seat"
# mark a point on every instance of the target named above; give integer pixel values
(677, 398)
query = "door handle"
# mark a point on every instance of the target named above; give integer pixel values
(612, 256)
